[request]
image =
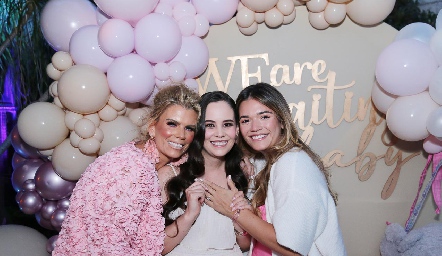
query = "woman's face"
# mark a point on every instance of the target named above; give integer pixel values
(259, 125)
(221, 129)
(173, 132)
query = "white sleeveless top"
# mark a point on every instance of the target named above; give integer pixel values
(211, 234)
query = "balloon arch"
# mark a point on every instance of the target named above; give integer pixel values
(112, 57)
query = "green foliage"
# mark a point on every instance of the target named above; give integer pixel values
(23, 52)
(406, 12)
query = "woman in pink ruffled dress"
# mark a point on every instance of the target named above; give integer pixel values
(116, 206)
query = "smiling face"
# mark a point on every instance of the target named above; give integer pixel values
(259, 125)
(173, 132)
(221, 129)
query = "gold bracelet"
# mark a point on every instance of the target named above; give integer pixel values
(238, 233)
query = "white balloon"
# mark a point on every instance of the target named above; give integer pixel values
(432, 145)
(335, 13)
(274, 18)
(435, 87)
(369, 12)
(250, 30)
(439, 20)
(434, 122)
(418, 30)
(316, 5)
(21, 240)
(436, 45)
(381, 99)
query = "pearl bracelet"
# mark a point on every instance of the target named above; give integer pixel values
(236, 215)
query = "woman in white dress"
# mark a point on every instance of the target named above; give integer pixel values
(194, 228)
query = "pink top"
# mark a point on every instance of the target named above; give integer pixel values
(115, 208)
(258, 248)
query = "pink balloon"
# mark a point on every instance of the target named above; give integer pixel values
(51, 186)
(101, 16)
(116, 37)
(432, 145)
(131, 78)
(61, 18)
(201, 25)
(381, 99)
(128, 10)
(183, 9)
(24, 171)
(161, 71)
(165, 9)
(177, 71)
(157, 38)
(172, 2)
(407, 116)
(194, 55)
(212, 9)
(405, 67)
(187, 25)
(84, 48)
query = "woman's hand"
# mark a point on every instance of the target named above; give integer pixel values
(220, 199)
(248, 168)
(195, 194)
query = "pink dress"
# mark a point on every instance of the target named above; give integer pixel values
(115, 208)
(258, 248)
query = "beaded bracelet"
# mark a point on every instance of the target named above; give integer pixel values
(238, 233)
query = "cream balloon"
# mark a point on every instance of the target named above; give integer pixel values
(339, 1)
(260, 17)
(53, 89)
(117, 132)
(83, 89)
(71, 118)
(41, 125)
(317, 20)
(245, 17)
(250, 30)
(381, 99)
(316, 5)
(94, 118)
(259, 5)
(75, 139)
(274, 18)
(139, 116)
(115, 103)
(85, 128)
(289, 18)
(107, 113)
(335, 13)
(69, 163)
(89, 146)
(370, 12)
(99, 134)
(286, 7)
(62, 60)
(52, 72)
(58, 103)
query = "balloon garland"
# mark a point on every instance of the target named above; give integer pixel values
(112, 57)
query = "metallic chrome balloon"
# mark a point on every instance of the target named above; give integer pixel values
(24, 171)
(58, 218)
(51, 186)
(48, 209)
(30, 202)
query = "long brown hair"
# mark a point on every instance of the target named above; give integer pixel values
(273, 99)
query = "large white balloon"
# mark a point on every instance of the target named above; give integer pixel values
(17, 240)
(128, 10)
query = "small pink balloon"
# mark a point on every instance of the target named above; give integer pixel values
(183, 9)
(131, 11)
(202, 25)
(84, 48)
(194, 55)
(177, 71)
(116, 38)
(59, 19)
(187, 25)
(131, 78)
(211, 9)
(157, 38)
(161, 71)
(405, 67)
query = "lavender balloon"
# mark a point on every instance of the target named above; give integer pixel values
(58, 218)
(17, 160)
(43, 222)
(50, 244)
(63, 203)
(48, 209)
(28, 185)
(24, 172)
(21, 147)
(30, 202)
(51, 186)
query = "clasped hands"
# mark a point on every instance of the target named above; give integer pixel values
(224, 201)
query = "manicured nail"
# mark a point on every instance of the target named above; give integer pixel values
(229, 177)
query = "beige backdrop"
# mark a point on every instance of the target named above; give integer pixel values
(327, 76)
